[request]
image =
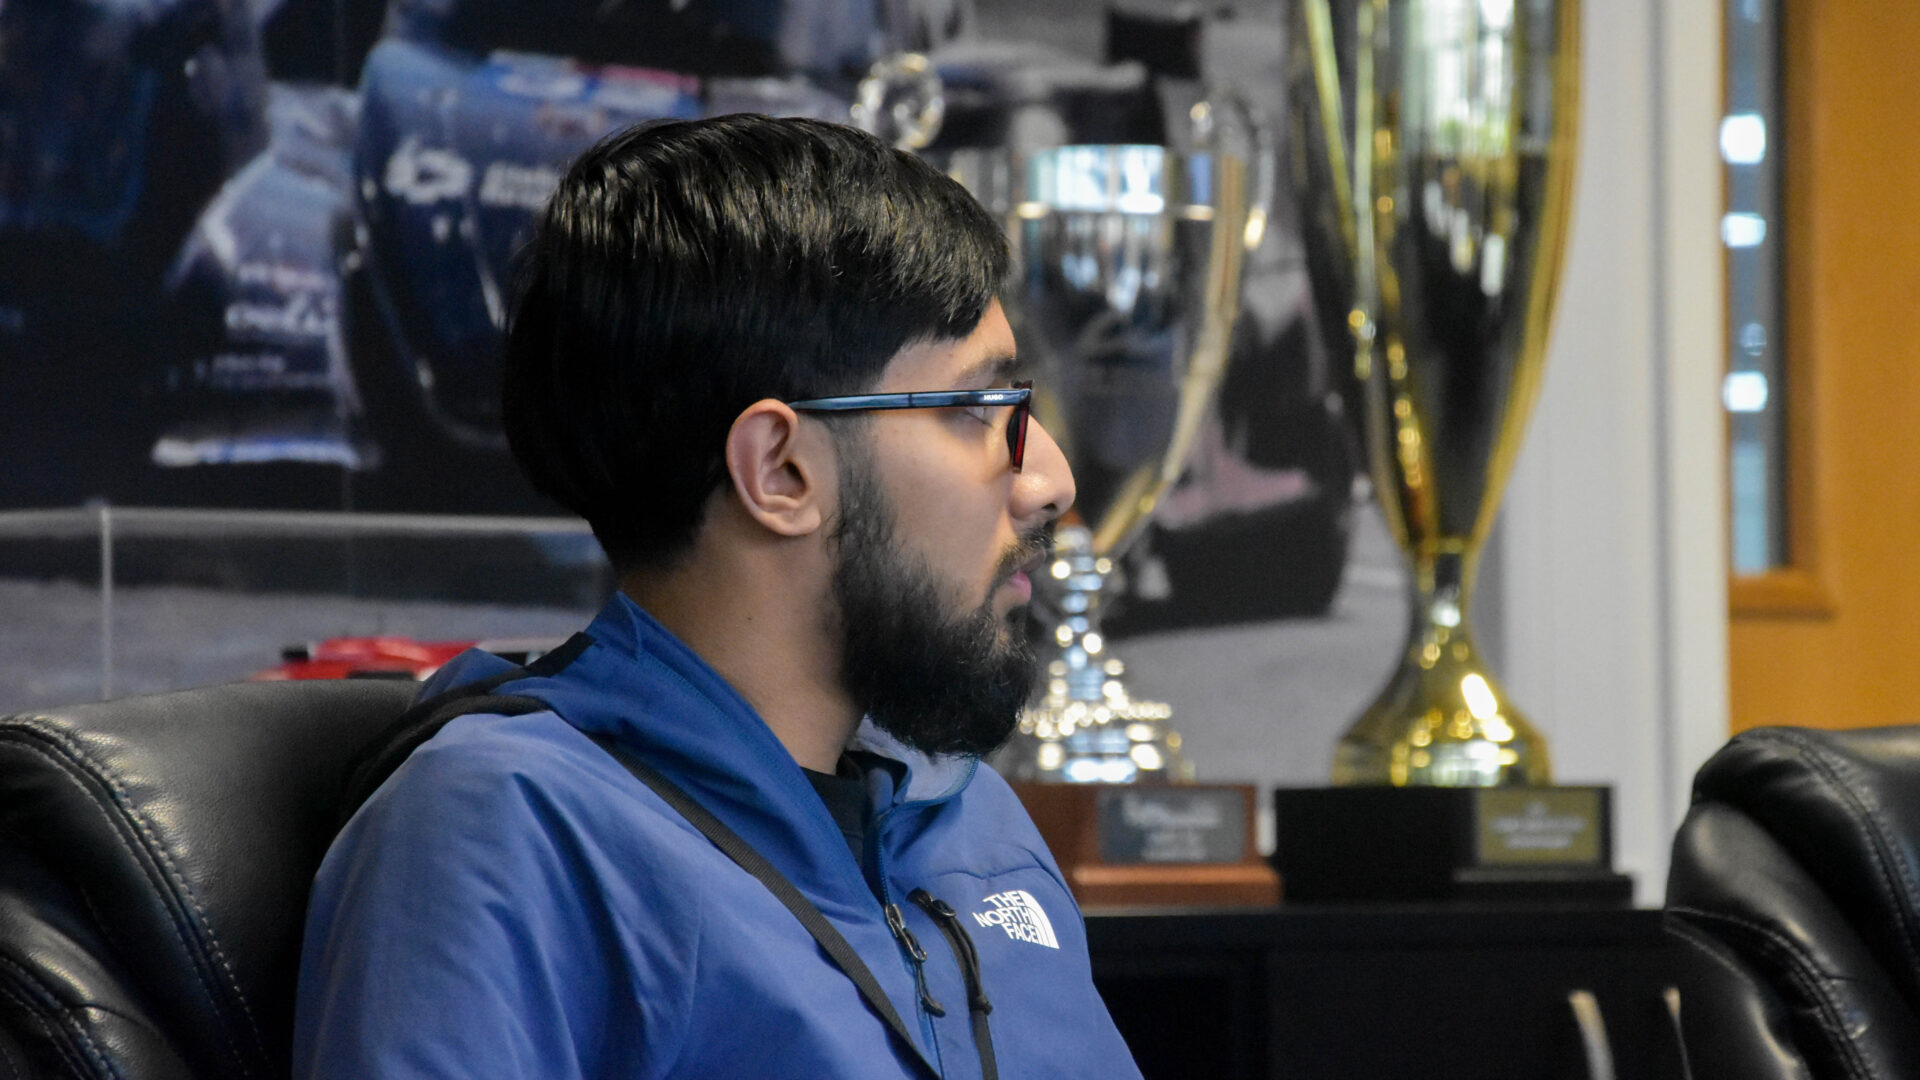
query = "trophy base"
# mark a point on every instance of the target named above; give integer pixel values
(1550, 844)
(1176, 845)
(1442, 720)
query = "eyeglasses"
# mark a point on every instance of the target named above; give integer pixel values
(1020, 396)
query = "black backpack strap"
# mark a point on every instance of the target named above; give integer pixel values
(424, 719)
(371, 767)
(743, 853)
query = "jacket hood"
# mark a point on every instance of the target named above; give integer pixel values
(668, 705)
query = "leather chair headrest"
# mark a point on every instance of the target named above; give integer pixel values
(1733, 884)
(155, 857)
(1845, 805)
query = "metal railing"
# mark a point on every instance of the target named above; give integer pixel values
(114, 524)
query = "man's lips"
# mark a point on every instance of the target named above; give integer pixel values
(1021, 580)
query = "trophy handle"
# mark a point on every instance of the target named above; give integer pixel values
(902, 100)
(1236, 137)
(1207, 362)
(1261, 150)
(1332, 115)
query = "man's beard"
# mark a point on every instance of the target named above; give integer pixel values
(940, 683)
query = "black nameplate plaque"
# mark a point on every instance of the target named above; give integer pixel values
(1171, 825)
(1429, 843)
(1186, 845)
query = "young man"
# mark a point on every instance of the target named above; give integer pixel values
(818, 631)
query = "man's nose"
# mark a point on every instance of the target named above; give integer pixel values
(1043, 489)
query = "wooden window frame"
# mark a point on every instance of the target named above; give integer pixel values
(1803, 587)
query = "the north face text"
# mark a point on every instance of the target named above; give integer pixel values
(1021, 916)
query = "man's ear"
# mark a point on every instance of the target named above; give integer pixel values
(777, 468)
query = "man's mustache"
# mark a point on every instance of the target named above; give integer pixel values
(1029, 547)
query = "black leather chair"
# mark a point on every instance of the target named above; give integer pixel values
(155, 857)
(1796, 880)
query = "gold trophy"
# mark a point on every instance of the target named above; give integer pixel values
(1434, 156)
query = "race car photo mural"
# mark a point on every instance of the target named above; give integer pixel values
(258, 253)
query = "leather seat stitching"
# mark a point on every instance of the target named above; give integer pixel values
(1715, 951)
(1799, 969)
(47, 1031)
(1713, 948)
(16, 1068)
(155, 850)
(1896, 885)
(81, 1041)
(63, 768)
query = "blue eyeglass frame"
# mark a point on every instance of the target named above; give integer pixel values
(1019, 395)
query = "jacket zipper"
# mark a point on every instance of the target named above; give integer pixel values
(916, 957)
(898, 924)
(955, 932)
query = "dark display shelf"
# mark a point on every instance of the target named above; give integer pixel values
(1482, 991)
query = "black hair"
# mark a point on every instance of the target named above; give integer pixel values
(684, 270)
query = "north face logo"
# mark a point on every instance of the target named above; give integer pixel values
(1021, 916)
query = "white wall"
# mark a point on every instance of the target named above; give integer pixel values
(1608, 598)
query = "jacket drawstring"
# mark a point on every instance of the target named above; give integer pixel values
(955, 932)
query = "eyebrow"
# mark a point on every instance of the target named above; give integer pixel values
(994, 368)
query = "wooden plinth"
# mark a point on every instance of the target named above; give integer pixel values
(1187, 845)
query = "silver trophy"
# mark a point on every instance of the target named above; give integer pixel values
(1127, 242)
(1126, 284)
(1127, 274)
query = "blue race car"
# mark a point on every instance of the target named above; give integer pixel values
(118, 122)
(341, 299)
(455, 155)
(260, 374)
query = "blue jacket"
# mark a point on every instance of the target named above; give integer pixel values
(513, 903)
